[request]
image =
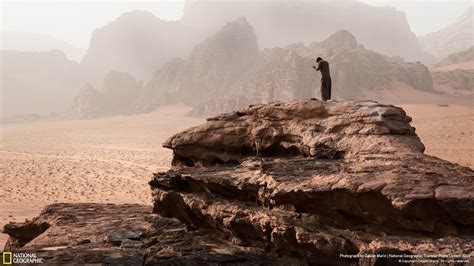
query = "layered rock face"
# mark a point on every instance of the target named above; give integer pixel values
(37, 82)
(313, 180)
(283, 74)
(213, 66)
(454, 38)
(294, 183)
(128, 234)
(355, 67)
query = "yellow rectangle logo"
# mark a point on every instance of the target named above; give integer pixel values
(7, 258)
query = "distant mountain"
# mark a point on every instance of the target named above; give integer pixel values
(137, 42)
(32, 42)
(117, 96)
(37, 82)
(453, 74)
(454, 38)
(277, 74)
(279, 23)
(461, 57)
(211, 69)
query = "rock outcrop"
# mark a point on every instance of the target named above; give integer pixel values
(127, 234)
(355, 67)
(119, 95)
(37, 82)
(212, 67)
(137, 42)
(283, 74)
(315, 180)
(295, 183)
(454, 38)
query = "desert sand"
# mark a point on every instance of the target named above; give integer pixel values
(111, 160)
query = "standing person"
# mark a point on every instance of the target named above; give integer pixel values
(323, 67)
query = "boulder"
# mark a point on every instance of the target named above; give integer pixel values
(315, 180)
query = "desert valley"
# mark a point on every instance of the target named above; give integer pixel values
(105, 130)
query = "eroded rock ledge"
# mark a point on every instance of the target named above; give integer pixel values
(292, 183)
(312, 129)
(128, 234)
(315, 179)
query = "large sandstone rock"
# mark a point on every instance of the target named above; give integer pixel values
(295, 183)
(128, 234)
(318, 179)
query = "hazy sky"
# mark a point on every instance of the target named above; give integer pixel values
(73, 21)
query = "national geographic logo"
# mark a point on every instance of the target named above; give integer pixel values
(9, 258)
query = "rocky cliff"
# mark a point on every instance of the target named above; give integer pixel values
(460, 57)
(287, 183)
(137, 42)
(37, 82)
(119, 95)
(314, 180)
(211, 69)
(282, 74)
(454, 38)
(279, 23)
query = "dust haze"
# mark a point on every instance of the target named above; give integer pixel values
(91, 90)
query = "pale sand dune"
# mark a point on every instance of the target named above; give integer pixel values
(111, 160)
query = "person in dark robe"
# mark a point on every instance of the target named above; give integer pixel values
(323, 67)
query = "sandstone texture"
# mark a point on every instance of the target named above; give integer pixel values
(285, 183)
(314, 180)
(127, 234)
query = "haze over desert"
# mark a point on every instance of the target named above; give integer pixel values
(195, 132)
(110, 160)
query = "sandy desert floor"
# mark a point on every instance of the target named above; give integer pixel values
(111, 160)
